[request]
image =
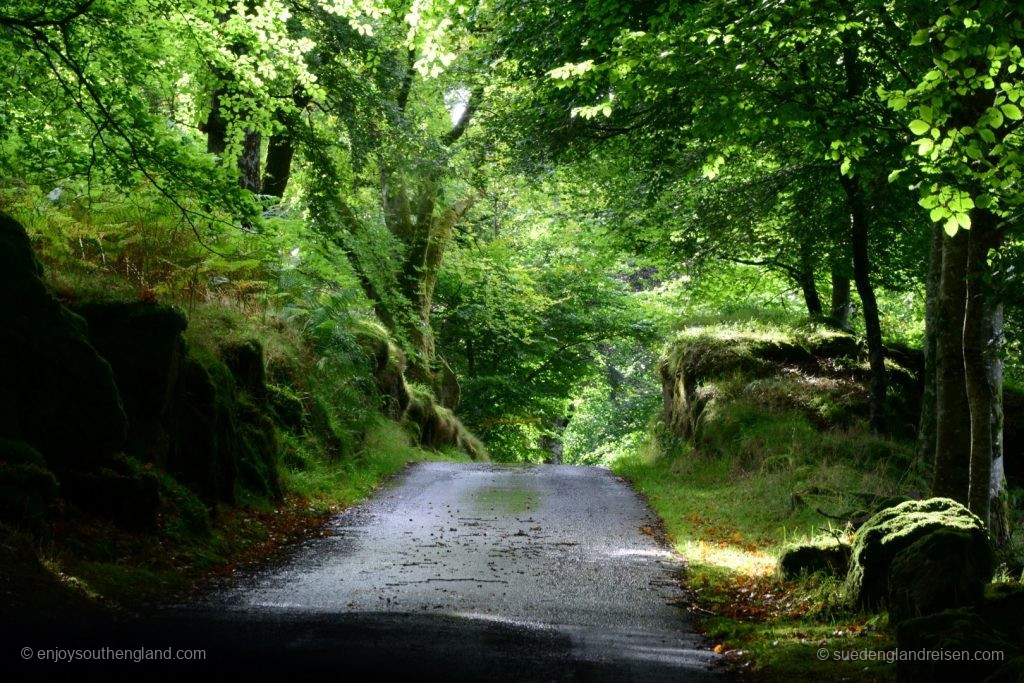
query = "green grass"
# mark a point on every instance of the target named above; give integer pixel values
(387, 450)
(730, 521)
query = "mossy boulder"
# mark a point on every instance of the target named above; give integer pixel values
(826, 557)
(893, 530)
(257, 449)
(388, 364)
(27, 487)
(288, 408)
(203, 452)
(142, 342)
(698, 360)
(56, 392)
(944, 569)
(437, 427)
(223, 429)
(1003, 608)
(245, 361)
(949, 631)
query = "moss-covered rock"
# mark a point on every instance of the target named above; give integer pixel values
(27, 487)
(245, 361)
(287, 407)
(993, 624)
(142, 342)
(437, 427)
(1003, 608)
(258, 449)
(895, 529)
(56, 392)
(827, 557)
(696, 361)
(203, 452)
(388, 364)
(944, 569)
(949, 631)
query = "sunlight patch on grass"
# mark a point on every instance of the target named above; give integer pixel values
(728, 557)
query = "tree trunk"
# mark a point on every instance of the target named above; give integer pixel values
(215, 128)
(249, 162)
(280, 151)
(807, 284)
(421, 278)
(862, 278)
(842, 302)
(999, 524)
(951, 476)
(926, 426)
(981, 350)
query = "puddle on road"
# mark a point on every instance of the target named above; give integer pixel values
(505, 500)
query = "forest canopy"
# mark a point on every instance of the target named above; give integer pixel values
(530, 196)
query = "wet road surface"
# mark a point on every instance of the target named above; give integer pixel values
(466, 571)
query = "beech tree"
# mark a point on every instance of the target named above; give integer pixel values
(966, 120)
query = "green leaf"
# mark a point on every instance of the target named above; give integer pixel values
(919, 127)
(951, 226)
(1011, 111)
(920, 38)
(938, 213)
(994, 116)
(898, 103)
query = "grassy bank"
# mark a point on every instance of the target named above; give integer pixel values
(762, 444)
(731, 524)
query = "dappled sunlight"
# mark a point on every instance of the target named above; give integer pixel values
(729, 557)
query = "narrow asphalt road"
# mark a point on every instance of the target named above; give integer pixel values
(470, 572)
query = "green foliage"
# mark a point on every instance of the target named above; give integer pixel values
(529, 304)
(386, 450)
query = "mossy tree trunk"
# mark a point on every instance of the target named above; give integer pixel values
(216, 130)
(249, 162)
(414, 214)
